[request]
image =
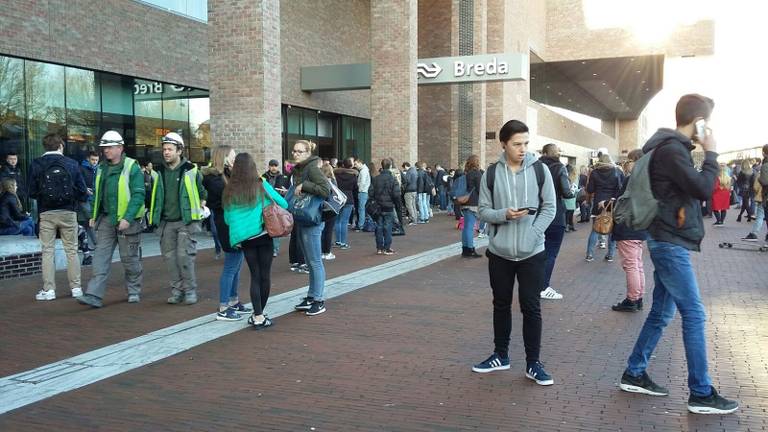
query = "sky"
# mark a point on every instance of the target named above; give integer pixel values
(736, 76)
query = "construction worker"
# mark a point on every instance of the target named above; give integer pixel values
(176, 207)
(118, 209)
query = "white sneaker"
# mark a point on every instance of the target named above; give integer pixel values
(77, 292)
(329, 256)
(44, 295)
(482, 236)
(551, 294)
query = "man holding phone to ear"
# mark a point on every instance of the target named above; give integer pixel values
(678, 229)
(519, 204)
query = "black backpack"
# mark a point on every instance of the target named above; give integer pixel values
(490, 179)
(57, 188)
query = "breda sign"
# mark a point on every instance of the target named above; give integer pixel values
(486, 67)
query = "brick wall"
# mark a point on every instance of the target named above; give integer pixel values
(324, 32)
(393, 81)
(120, 36)
(244, 58)
(16, 266)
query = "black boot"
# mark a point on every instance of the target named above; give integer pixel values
(464, 251)
(473, 254)
(640, 303)
(626, 305)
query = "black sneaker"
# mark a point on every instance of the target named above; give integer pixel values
(536, 372)
(240, 308)
(640, 303)
(493, 363)
(317, 308)
(305, 304)
(750, 237)
(608, 258)
(262, 325)
(626, 305)
(712, 404)
(642, 384)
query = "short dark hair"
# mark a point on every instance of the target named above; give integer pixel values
(93, 153)
(386, 163)
(406, 164)
(349, 162)
(11, 153)
(548, 148)
(510, 128)
(691, 106)
(52, 142)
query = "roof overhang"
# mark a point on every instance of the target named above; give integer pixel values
(606, 88)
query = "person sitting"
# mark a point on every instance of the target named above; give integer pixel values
(13, 220)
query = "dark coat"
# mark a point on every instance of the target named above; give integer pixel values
(10, 214)
(473, 184)
(313, 182)
(346, 180)
(277, 181)
(214, 184)
(15, 173)
(562, 186)
(36, 170)
(385, 191)
(679, 187)
(605, 183)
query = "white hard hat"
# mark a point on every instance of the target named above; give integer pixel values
(111, 138)
(173, 138)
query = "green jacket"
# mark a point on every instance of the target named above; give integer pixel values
(111, 183)
(191, 193)
(246, 221)
(316, 183)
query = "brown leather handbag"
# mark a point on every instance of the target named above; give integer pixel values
(277, 221)
(603, 223)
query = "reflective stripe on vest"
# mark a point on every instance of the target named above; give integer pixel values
(155, 176)
(190, 184)
(123, 191)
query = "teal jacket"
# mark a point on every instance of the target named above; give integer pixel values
(245, 221)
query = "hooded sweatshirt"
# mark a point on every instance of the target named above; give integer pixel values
(520, 239)
(679, 188)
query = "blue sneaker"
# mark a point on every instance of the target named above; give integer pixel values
(228, 314)
(536, 372)
(493, 363)
(240, 308)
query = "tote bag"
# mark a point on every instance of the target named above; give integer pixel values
(603, 223)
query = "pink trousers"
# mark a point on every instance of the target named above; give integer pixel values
(631, 252)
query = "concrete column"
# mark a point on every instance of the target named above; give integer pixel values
(244, 71)
(628, 137)
(394, 106)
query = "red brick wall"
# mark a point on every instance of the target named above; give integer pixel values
(16, 266)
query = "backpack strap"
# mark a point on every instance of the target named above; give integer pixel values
(538, 168)
(490, 179)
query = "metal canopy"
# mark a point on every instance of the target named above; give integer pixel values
(607, 88)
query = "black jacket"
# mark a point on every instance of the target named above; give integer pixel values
(473, 186)
(422, 181)
(679, 188)
(213, 182)
(15, 173)
(562, 186)
(386, 191)
(411, 180)
(10, 214)
(605, 182)
(346, 180)
(278, 180)
(622, 231)
(36, 170)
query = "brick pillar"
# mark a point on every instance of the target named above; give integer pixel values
(394, 106)
(244, 76)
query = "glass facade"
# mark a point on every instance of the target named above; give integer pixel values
(336, 135)
(197, 9)
(41, 98)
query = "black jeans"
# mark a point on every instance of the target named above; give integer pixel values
(326, 238)
(719, 215)
(530, 278)
(258, 256)
(294, 251)
(569, 218)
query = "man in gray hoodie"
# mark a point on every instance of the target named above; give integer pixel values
(519, 211)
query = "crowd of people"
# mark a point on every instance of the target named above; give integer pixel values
(522, 203)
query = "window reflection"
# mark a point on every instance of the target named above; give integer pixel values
(83, 111)
(45, 103)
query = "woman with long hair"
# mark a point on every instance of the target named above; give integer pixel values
(308, 179)
(346, 177)
(329, 218)
(244, 199)
(721, 196)
(469, 209)
(13, 220)
(604, 184)
(215, 179)
(746, 181)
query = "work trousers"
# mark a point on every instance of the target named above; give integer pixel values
(107, 237)
(179, 249)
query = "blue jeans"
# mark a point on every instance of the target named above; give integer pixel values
(362, 198)
(443, 199)
(26, 228)
(276, 245)
(214, 234)
(759, 219)
(341, 223)
(423, 199)
(468, 233)
(553, 239)
(384, 230)
(675, 288)
(230, 277)
(309, 241)
(592, 242)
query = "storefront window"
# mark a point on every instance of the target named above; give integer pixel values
(117, 107)
(12, 107)
(200, 129)
(45, 104)
(148, 111)
(83, 111)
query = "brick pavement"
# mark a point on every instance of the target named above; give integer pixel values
(396, 356)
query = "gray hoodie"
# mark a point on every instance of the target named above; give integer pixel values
(523, 238)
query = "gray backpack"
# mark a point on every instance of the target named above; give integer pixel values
(637, 207)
